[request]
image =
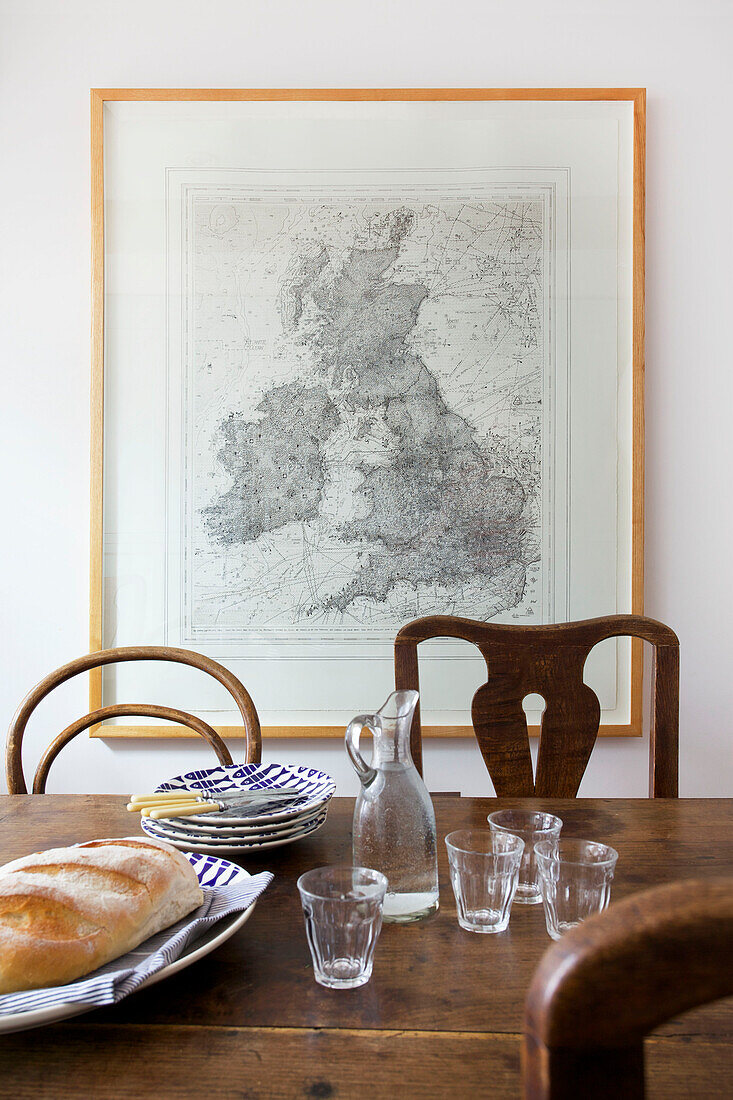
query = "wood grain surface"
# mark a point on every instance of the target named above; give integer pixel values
(442, 1015)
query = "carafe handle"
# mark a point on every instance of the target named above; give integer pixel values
(353, 733)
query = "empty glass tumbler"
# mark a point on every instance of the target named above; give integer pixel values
(484, 869)
(343, 918)
(532, 826)
(575, 876)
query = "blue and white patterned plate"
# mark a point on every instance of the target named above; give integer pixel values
(231, 847)
(317, 788)
(178, 829)
(252, 828)
(211, 871)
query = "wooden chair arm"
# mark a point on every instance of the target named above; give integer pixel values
(609, 982)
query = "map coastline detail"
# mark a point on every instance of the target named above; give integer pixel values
(366, 411)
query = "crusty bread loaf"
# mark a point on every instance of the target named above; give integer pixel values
(66, 911)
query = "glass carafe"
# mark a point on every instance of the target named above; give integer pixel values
(394, 820)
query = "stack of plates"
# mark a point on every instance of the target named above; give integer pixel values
(246, 829)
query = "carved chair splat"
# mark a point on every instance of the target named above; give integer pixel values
(549, 661)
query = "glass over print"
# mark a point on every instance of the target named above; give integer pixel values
(575, 877)
(532, 826)
(484, 868)
(368, 228)
(342, 907)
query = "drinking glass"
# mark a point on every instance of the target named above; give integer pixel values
(484, 868)
(575, 876)
(343, 918)
(532, 826)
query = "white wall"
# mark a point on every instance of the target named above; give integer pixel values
(53, 52)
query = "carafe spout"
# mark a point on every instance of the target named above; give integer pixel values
(395, 722)
(390, 730)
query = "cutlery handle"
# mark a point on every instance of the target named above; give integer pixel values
(183, 809)
(161, 796)
(166, 809)
(139, 807)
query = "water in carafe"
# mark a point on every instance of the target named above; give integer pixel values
(394, 820)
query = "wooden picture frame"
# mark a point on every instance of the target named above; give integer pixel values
(100, 97)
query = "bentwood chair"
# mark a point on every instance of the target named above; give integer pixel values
(13, 757)
(609, 982)
(548, 660)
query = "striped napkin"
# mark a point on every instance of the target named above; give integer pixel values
(123, 976)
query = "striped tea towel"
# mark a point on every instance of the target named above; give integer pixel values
(122, 976)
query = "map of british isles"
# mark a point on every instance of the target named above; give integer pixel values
(365, 399)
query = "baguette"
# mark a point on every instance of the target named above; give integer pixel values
(67, 911)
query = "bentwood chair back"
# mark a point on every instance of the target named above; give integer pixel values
(13, 756)
(609, 982)
(548, 660)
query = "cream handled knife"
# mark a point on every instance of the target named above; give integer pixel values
(184, 803)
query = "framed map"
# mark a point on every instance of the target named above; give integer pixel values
(366, 356)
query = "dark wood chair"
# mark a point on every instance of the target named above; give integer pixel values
(548, 660)
(13, 756)
(609, 982)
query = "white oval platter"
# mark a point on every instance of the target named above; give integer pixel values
(209, 940)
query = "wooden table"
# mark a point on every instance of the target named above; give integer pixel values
(441, 1017)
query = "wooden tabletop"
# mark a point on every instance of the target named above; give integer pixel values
(441, 1017)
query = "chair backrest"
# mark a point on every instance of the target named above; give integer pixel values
(14, 753)
(548, 660)
(609, 982)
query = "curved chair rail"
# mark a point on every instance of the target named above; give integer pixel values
(250, 719)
